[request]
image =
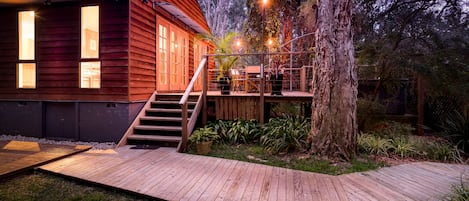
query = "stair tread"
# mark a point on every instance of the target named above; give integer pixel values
(171, 102)
(163, 128)
(150, 118)
(155, 138)
(166, 110)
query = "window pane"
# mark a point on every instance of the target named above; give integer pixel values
(90, 75)
(90, 32)
(26, 35)
(26, 75)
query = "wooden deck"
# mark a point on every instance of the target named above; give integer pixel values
(163, 173)
(17, 156)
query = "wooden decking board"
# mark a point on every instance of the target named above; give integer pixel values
(199, 169)
(231, 182)
(17, 156)
(397, 183)
(416, 178)
(198, 188)
(266, 183)
(172, 185)
(254, 192)
(219, 179)
(430, 179)
(370, 187)
(238, 188)
(169, 174)
(166, 174)
(274, 187)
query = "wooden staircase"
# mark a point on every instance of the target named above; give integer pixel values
(160, 122)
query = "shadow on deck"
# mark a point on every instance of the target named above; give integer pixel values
(166, 174)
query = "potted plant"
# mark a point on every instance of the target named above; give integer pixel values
(203, 139)
(277, 77)
(223, 46)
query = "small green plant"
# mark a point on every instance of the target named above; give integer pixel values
(436, 149)
(205, 134)
(403, 148)
(456, 129)
(221, 127)
(243, 131)
(286, 133)
(374, 144)
(459, 192)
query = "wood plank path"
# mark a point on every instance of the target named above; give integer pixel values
(17, 156)
(163, 173)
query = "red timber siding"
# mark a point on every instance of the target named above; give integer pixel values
(58, 53)
(142, 48)
(142, 45)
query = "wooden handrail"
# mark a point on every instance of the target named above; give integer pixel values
(187, 127)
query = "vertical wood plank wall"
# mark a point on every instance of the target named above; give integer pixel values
(233, 107)
(57, 41)
(142, 65)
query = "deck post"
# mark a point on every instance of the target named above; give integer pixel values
(184, 133)
(261, 91)
(420, 103)
(204, 92)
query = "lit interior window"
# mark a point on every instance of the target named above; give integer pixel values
(26, 75)
(26, 35)
(90, 32)
(90, 73)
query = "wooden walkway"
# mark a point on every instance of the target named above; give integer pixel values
(165, 174)
(17, 156)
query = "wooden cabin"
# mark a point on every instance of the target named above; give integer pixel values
(83, 69)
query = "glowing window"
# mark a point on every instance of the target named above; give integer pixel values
(90, 67)
(26, 68)
(90, 74)
(90, 32)
(26, 75)
(26, 35)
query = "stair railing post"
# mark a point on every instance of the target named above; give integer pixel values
(184, 127)
(204, 91)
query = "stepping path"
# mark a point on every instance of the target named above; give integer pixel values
(163, 173)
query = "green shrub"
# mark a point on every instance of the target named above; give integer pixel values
(221, 127)
(286, 133)
(205, 134)
(456, 129)
(373, 144)
(436, 149)
(403, 147)
(243, 131)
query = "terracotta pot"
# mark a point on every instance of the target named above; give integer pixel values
(204, 147)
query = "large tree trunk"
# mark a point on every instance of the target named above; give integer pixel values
(334, 123)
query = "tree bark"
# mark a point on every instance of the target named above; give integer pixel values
(334, 123)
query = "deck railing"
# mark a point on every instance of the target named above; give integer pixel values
(294, 79)
(188, 126)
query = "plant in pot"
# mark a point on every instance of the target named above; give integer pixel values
(203, 139)
(276, 76)
(223, 45)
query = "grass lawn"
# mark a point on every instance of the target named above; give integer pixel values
(298, 161)
(41, 186)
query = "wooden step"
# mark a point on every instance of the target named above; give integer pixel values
(159, 128)
(150, 118)
(171, 102)
(167, 110)
(155, 138)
